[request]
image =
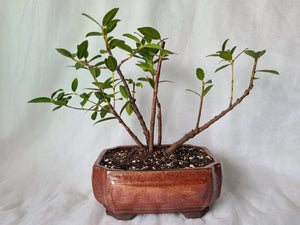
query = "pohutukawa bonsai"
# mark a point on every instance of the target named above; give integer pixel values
(107, 98)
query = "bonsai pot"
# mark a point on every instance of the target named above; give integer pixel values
(126, 193)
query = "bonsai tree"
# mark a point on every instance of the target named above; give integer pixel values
(108, 98)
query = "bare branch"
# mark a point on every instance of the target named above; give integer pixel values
(159, 123)
(196, 131)
(154, 101)
(201, 103)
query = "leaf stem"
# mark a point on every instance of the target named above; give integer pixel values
(114, 88)
(88, 65)
(84, 109)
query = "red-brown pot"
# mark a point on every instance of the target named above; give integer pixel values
(127, 193)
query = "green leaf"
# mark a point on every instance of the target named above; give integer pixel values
(149, 32)
(78, 66)
(226, 55)
(206, 90)
(213, 55)
(111, 63)
(221, 67)
(85, 97)
(108, 118)
(109, 16)
(250, 53)
(138, 84)
(123, 92)
(120, 44)
(102, 51)
(61, 102)
(93, 34)
(74, 85)
(64, 52)
(193, 92)
(60, 96)
(155, 46)
(268, 71)
(124, 106)
(224, 44)
(95, 72)
(260, 54)
(165, 52)
(254, 54)
(55, 92)
(129, 109)
(232, 50)
(100, 63)
(208, 82)
(102, 85)
(84, 14)
(57, 107)
(112, 25)
(82, 50)
(104, 110)
(40, 100)
(95, 57)
(166, 81)
(100, 96)
(200, 73)
(146, 67)
(132, 37)
(149, 80)
(94, 116)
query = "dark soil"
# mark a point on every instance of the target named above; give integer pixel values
(135, 159)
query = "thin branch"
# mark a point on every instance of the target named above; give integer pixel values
(155, 91)
(114, 89)
(133, 54)
(88, 65)
(159, 123)
(232, 81)
(134, 137)
(200, 108)
(116, 115)
(87, 100)
(131, 99)
(84, 109)
(134, 106)
(196, 131)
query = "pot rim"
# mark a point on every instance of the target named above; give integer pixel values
(97, 162)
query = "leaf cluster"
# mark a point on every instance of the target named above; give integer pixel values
(206, 85)
(147, 48)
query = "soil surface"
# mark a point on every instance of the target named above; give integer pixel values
(135, 159)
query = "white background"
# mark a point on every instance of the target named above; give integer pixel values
(46, 157)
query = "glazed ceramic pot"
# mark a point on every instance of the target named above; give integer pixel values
(126, 193)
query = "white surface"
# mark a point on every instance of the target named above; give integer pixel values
(46, 157)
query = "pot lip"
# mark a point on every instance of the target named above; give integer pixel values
(97, 162)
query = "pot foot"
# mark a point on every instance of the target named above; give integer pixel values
(194, 215)
(121, 216)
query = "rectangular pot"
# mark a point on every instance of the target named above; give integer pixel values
(127, 193)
